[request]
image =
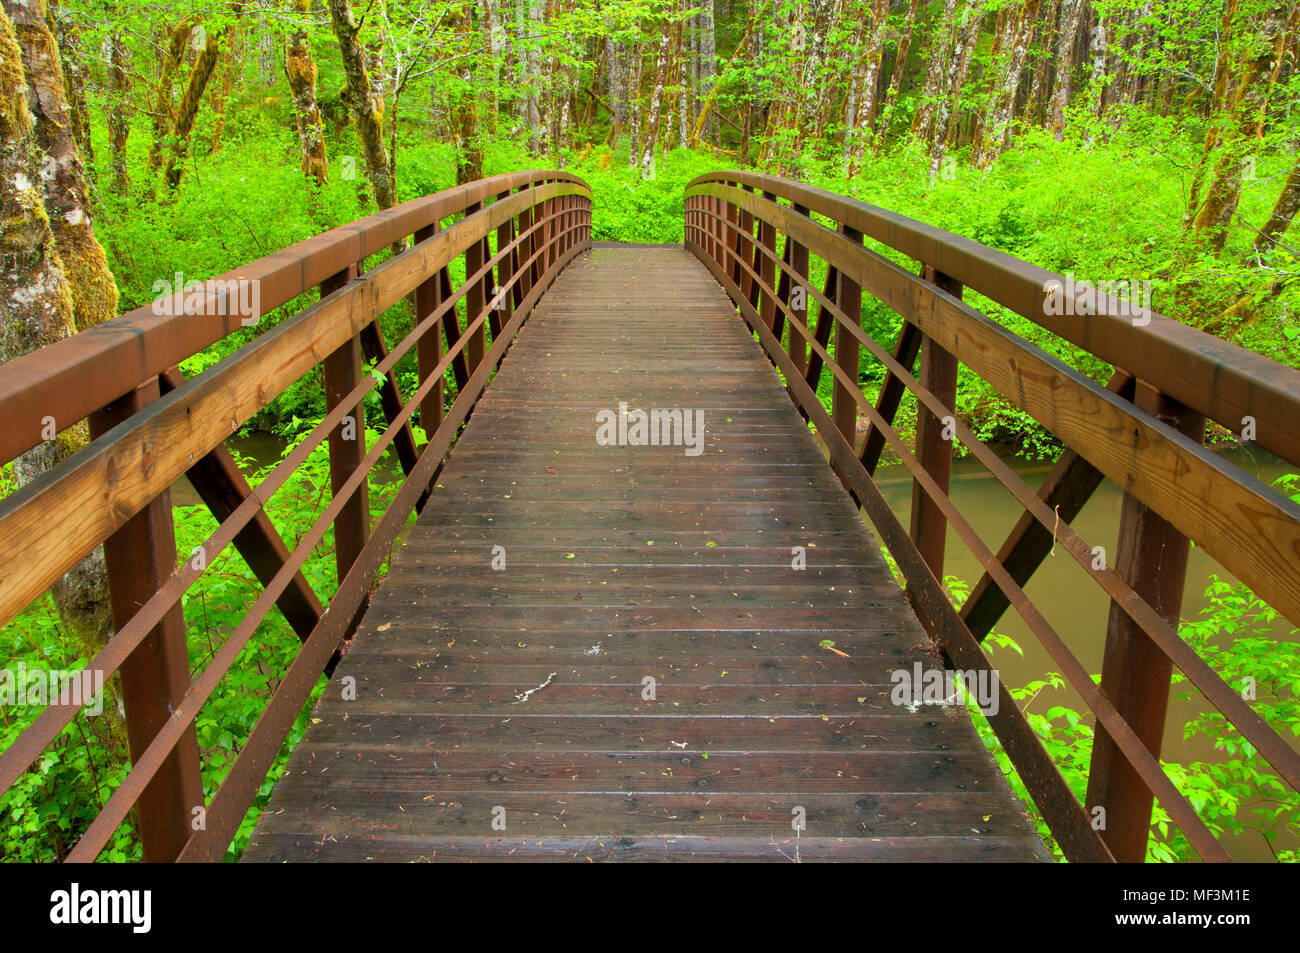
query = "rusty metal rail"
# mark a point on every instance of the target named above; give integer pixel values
(150, 427)
(1144, 432)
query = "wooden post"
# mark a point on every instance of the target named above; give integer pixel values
(798, 347)
(347, 441)
(428, 349)
(745, 254)
(527, 245)
(140, 557)
(734, 241)
(474, 297)
(505, 235)
(1135, 673)
(933, 447)
(848, 298)
(765, 261)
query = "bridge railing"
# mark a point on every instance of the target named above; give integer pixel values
(150, 427)
(1144, 431)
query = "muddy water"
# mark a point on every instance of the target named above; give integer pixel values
(1073, 604)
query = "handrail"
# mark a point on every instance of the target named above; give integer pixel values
(1221, 380)
(1134, 432)
(115, 490)
(74, 377)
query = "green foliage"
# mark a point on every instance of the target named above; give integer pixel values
(1236, 793)
(42, 816)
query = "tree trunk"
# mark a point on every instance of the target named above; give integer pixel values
(959, 65)
(1071, 14)
(367, 109)
(634, 106)
(1218, 111)
(656, 102)
(464, 112)
(896, 75)
(618, 79)
(536, 137)
(119, 123)
(188, 110)
(999, 127)
(708, 58)
(940, 44)
(177, 41)
(1283, 213)
(66, 194)
(1254, 84)
(75, 80)
(301, 70)
(860, 129)
(39, 300)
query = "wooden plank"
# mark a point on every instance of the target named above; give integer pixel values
(522, 687)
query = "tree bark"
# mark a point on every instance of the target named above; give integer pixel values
(860, 130)
(999, 127)
(66, 192)
(301, 70)
(40, 306)
(367, 108)
(708, 58)
(1071, 14)
(188, 110)
(1250, 104)
(1283, 214)
(939, 60)
(656, 102)
(119, 121)
(75, 80)
(634, 106)
(896, 75)
(178, 39)
(971, 19)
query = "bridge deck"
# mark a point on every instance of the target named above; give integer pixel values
(522, 689)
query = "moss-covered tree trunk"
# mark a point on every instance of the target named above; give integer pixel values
(75, 79)
(119, 119)
(188, 110)
(39, 294)
(1255, 80)
(63, 178)
(178, 39)
(367, 108)
(301, 70)
(1284, 211)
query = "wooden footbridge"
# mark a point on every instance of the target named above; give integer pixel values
(624, 605)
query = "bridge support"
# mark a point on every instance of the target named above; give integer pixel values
(140, 557)
(848, 350)
(1135, 673)
(347, 444)
(933, 446)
